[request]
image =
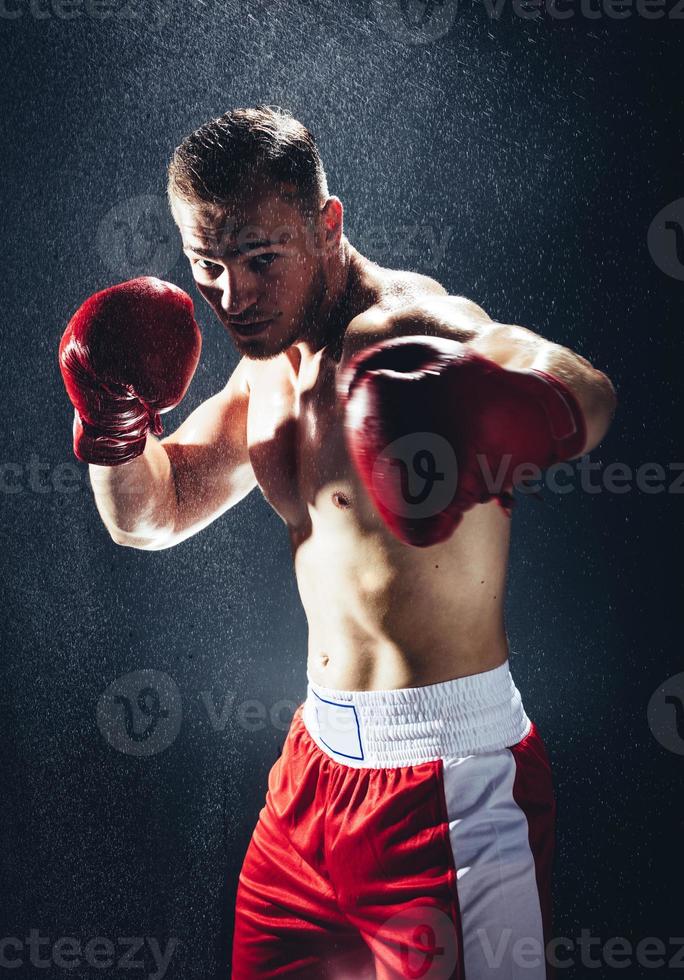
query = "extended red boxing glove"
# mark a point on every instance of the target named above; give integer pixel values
(434, 428)
(128, 354)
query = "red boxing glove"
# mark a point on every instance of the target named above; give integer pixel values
(128, 354)
(434, 428)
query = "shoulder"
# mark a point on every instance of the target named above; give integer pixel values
(433, 314)
(238, 382)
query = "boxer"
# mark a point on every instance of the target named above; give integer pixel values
(408, 827)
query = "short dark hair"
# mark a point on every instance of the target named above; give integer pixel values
(228, 158)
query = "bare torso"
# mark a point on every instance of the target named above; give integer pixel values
(381, 614)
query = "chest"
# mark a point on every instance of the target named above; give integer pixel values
(296, 439)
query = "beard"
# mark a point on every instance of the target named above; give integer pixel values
(305, 326)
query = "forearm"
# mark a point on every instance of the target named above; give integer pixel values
(137, 500)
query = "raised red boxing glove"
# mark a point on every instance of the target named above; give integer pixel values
(434, 428)
(127, 355)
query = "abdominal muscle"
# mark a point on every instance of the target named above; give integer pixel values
(384, 615)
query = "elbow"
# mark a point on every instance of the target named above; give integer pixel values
(141, 543)
(599, 409)
(607, 393)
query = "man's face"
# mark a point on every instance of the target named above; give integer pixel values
(256, 261)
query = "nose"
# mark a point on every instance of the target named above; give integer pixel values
(237, 292)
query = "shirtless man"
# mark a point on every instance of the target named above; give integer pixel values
(409, 823)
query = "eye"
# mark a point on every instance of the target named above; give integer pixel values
(206, 264)
(263, 261)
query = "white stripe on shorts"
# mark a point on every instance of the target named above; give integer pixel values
(499, 901)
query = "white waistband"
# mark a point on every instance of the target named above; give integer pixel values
(385, 729)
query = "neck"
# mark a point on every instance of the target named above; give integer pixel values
(347, 293)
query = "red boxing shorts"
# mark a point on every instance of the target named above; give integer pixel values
(406, 833)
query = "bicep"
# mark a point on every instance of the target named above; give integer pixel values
(210, 458)
(509, 346)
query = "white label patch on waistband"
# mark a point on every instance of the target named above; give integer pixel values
(338, 728)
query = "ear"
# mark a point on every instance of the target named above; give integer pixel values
(332, 216)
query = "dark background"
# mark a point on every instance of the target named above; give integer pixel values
(540, 151)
